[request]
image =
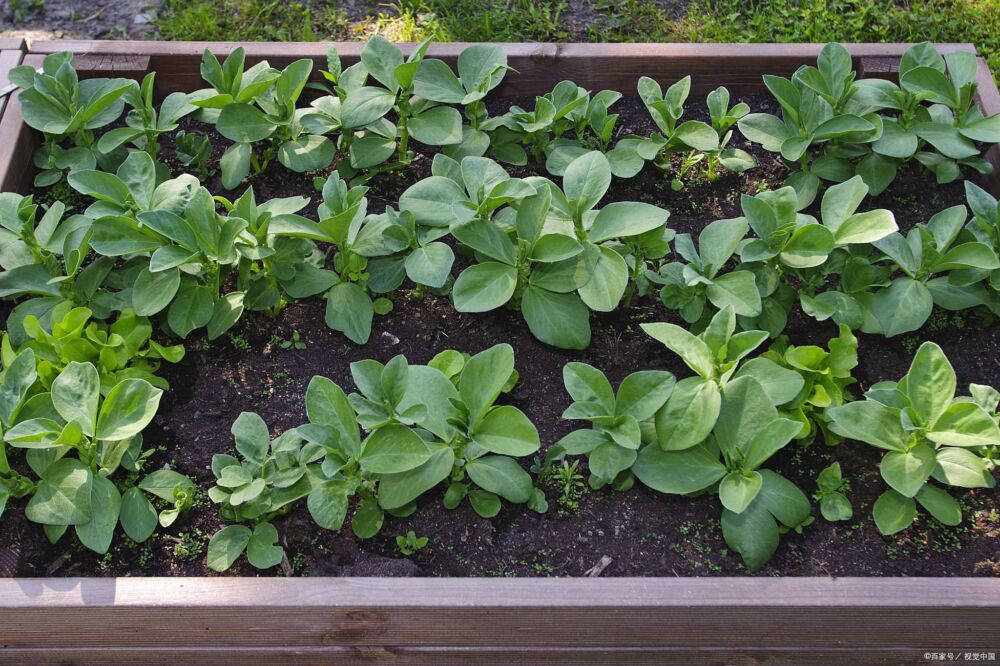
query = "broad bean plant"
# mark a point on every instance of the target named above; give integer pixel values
(125, 258)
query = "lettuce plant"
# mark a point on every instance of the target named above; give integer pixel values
(929, 435)
(617, 419)
(985, 224)
(528, 270)
(75, 439)
(194, 151)
(758, 504)
(826, 374)
(44, 258)
(593, 128)
(67, 111)
(606, 234)
(274, 269)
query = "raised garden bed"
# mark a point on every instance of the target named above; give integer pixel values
(264, 363)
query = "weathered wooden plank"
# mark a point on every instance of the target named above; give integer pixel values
(988, 98)
(539, 66)
(12, 44)
(17, 142)
(726, 614)
(207, 655)
(8, 60)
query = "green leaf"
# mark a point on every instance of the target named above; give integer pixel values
(105, 504)
(483, 379)
(349, 310)
(746, 410)
(307, 153)
(226, 546)
(940, 504)
(364, 106)
(151, 292)
(484, 287)
(397, 490)
(244, 123)
(430, 200)
(164, 482)
(689, 414)
(738, 489)
(626, 218)
(893, 512)
(906, 472)
(263, 550)
(502, 476)
(437, 126)
(609, 460)
(192, 308)
(930, 383)
(736, 290)
(252, 437)
(76, 392)
(507, 431)
(560, 320)
(642, 393)
(692, 349)
(587, 384)
(327, 503)
(603, 278)
(962, 468)
(678, 472)
(368, 519)
(128, 408)
(586, 180)
(392, 449)
(18, 377)
(753, 534)
(870, 422)
(781, 384)
(138, 517)
(964, 424)
(63, 496)
(430, 264)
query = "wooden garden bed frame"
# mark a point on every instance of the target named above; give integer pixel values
(464, 621)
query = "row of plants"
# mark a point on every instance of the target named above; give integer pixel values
(79, 380)
(414, 428)
(547, 249)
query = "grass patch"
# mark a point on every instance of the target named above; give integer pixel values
(977, 21)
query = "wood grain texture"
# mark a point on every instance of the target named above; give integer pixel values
(17, 140)
(8, 59)
(539, 66)
(988, 98)
(417, 620)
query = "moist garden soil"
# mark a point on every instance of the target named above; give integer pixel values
(644, 533)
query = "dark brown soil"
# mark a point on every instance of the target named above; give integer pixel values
(645, 533)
